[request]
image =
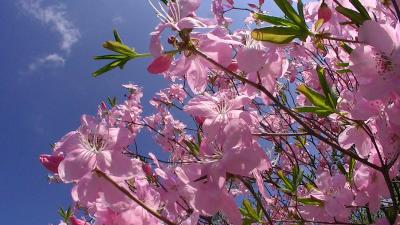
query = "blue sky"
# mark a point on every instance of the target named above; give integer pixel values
(46, 84)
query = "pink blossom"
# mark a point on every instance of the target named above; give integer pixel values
(384, 52)
(94, 145)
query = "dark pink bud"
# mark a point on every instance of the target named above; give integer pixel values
(103, 106)
(199, 120)
(75, 221)
(252, 6)
(233, 66)
(51, 162)
(230, 2)
(147, 170)
(171, 40)
(260, 2)
(324, 12)
(160, 64)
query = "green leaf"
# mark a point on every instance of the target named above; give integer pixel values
(116, 46)
(311, 201)
(332, 99)
(351, 169)
(341, 71)
(274, 20)
(288, 185)
(115, 57)
(112, 101)
(116, 36)
(354, 16)
(318, 24)
(300, 9)
(343, 64)
(341, 168)
(193, 148)
(250, 210)
(289, 11)
(107, 67)
(313, 96)
(346, 47)
(277, 35)
(357, 4)
(323, 112)
(297, 177)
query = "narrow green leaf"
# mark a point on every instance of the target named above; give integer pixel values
(343, 64)
(354, 16)
(322, 112)
(274, 20)
(357, 4)
(107, 68)
(289, 11)
(351, 169)
(311, 201)
(300, 9)
(332, 99)
(112, 101)
(313, 96)
(341, 168)
(251, 212)
(346, 47)
(116, 36)
(341, 71)
(286, 181)
(119, 47)
(277, 35)
(100, 57)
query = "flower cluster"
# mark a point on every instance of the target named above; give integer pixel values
(291, 120)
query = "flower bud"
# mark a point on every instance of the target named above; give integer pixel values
(199, 120)
(51, 162)
(147, 170)
(75, 221)
(160, 64)
(324, 12)
(171, 40)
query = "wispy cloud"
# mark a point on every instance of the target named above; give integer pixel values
(53, 60)
(54, 16)
(118, 20)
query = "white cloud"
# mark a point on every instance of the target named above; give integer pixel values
(53, 60)
(118, 20)
(55, 16)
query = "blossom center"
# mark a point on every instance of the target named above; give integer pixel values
(93, 142)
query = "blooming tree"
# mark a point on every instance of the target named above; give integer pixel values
(295, 120)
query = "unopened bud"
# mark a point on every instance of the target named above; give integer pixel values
(160, 64)
(199, 120)
(171, 40)
(147, 170)
(324, 12)
(75, 221)
(51, 162)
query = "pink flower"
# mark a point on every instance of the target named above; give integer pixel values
(371, 186)
(357, 136)
(178, 15)
(95, 145)
(217, 111)
(377, 64)
(332, 190)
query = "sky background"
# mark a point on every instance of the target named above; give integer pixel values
(46, 84)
